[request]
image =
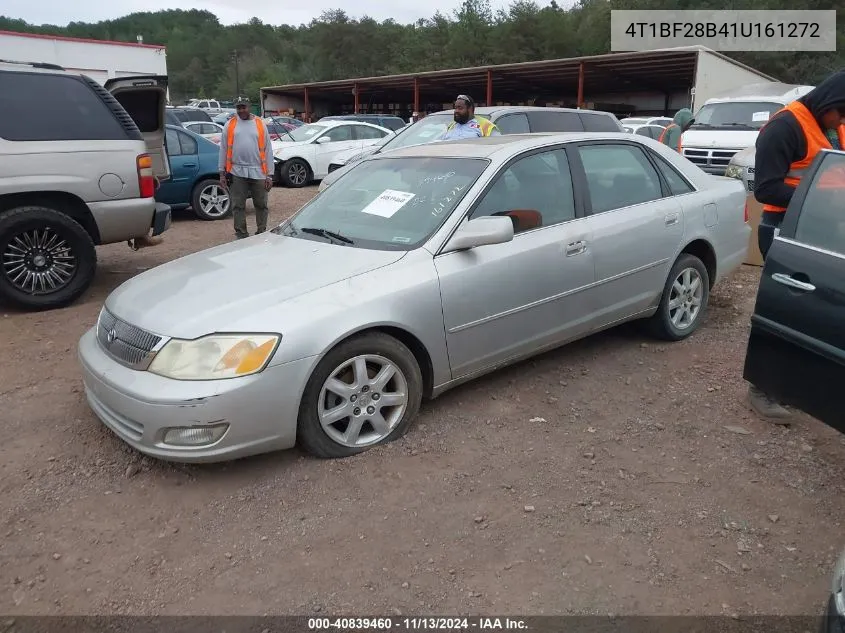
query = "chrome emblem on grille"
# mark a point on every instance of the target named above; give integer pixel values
(111, 335)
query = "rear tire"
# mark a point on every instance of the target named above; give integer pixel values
(382, 409)
(296, 173)
(47, 259)
(210, 201)
(683, 304)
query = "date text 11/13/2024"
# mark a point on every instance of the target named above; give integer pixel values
(415, 624)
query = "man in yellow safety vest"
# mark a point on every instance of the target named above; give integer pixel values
(467, 124)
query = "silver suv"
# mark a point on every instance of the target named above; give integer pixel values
(75, 176)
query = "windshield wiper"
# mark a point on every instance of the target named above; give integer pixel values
(326, 233)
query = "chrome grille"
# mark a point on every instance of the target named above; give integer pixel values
(126, 343)
(714, 159)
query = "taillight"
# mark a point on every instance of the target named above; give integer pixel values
(146, 179)
(746, 212)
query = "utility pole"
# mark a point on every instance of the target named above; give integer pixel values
(237, 76)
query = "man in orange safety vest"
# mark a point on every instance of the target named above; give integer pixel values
(246, 166)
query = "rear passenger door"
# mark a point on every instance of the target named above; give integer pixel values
(636, 222)
(184, 165)
(554, 121)
(796, 349)
(515, 123)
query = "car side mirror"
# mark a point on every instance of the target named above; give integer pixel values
(481, 231)
(324, 139)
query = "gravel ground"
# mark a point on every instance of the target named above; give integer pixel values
(617, 475)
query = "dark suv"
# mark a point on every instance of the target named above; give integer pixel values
(509, 120)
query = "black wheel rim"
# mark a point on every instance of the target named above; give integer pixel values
(39, 261)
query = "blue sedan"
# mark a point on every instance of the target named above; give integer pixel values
(194, 180)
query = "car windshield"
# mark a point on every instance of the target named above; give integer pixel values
(748, 115)
(306, 132)
(387, 203)
(423, 131)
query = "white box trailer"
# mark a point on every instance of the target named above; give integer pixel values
(99, 59)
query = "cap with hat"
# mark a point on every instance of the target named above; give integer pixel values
(242, 101)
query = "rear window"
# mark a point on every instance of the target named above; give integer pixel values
(143, 106)
(555, 122)
(28, 103)
(599, 123)
(191, 115)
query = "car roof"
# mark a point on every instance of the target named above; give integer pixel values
(492, 110)
(336, 122)
(489, 146)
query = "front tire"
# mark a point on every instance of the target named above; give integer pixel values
(210, 201)
(365, 392)
(684, 300)
(296, 173)
(47, 259)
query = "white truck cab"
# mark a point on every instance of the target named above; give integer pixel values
(729, 123)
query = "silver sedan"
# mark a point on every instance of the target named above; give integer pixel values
(416, 271)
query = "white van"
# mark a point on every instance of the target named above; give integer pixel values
(731, 122)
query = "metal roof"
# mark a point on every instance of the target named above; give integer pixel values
(663, 70)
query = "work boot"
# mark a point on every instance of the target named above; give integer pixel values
(767, 408)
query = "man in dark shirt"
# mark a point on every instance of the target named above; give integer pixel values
(786, 146)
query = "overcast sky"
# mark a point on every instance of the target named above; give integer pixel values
(229, 11)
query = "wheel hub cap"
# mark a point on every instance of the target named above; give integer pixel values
(38, 261)
(686, 298)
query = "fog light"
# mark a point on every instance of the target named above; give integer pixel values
(195, 435)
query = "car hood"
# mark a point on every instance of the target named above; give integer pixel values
(280, 144)
(719, 139)
(237, 286)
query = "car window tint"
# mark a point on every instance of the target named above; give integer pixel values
(534, 191)
(555, 121)
(28, 103)
(618, 176)
(340, 133)
(644, 131)
(822, 219)
(189, 145)
(677, 183)
(513, 124)
(598, 123)
(171, 143)
(362, 132)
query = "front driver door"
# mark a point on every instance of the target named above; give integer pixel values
(796, 349)
(338, 139)
(506, 300)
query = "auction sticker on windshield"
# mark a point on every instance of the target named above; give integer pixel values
(760, 116)
(388, 203)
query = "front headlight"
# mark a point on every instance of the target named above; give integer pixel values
(215, 357)
(735, 171)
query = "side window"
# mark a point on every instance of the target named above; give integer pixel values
(644, 131)
(189, 145)
(171, 143)
(340, 133)
(555, 121)
(677, 183)
(28, 103)
(535, 191)
(598, 123)
(618, 176)
(822, 219)
(362, 132)
(513, 124)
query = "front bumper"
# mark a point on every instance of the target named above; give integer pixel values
(139, 406)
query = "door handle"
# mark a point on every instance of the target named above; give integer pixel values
(189, 165)
(576, 248)
(670, 219)
(786, 280)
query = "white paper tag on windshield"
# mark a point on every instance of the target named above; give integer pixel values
(388, 203)
(760, 116)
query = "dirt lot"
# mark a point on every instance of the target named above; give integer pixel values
(600, 478)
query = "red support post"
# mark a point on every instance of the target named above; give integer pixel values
(307, 113)
(357, 98)
(489, 88)
(581, 85)
(416, 95)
